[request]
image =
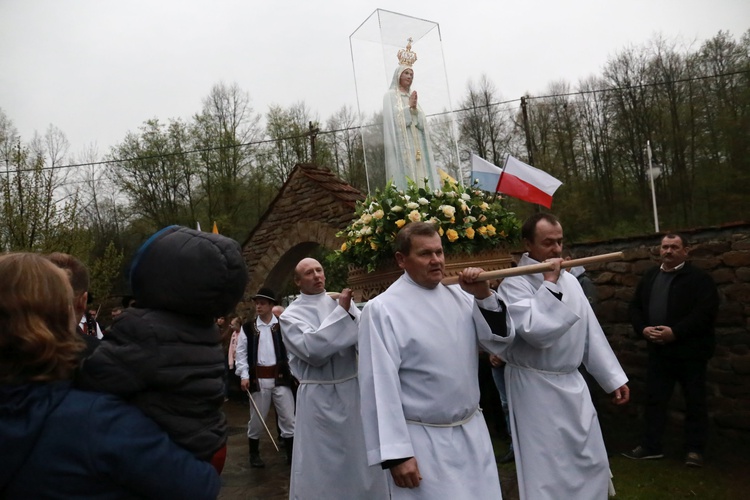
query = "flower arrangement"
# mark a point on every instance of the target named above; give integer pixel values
(468, 219)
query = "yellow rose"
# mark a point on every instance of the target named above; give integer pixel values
(415, 216)
(400, 223)
(452, 235)
(490, 229)
(358, 240)
(484, 206)
(482, 230)
(378, 214)
(441, 232)
(366, 218)
(373, 245)
(470, 233)
(343, 247)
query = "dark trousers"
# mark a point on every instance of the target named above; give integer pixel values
(663, 373)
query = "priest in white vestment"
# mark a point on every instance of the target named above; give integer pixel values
(557, 440)
(419, 345)
(320, 334)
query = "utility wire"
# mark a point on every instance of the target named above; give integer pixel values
(358, 128)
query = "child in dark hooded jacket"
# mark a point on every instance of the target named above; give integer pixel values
(164, 355)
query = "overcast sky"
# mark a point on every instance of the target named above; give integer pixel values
(97, 69)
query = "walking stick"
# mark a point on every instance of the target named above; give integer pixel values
(538, 268)
(257, 412)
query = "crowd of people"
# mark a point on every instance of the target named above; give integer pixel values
(381, 402)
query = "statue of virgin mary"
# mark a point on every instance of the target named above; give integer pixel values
(408, 153)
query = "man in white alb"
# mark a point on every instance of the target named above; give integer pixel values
(329, 450)
(556, 435)
(419, 344)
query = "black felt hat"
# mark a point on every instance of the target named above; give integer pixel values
(266, 293)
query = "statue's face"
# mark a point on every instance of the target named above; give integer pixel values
(406, 78)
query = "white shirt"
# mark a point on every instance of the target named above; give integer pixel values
(83, 326)
(266, 352)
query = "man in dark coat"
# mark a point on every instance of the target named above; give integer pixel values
(674, 309)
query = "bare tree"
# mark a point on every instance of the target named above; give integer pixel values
(345, 143)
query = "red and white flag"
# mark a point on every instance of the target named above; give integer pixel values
(527, 183)
(517, 179)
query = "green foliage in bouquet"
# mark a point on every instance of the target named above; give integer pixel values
(468, 219)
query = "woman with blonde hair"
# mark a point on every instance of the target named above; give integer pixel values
(60, 442)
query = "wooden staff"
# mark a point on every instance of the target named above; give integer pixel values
(539, 268)
(257, 412)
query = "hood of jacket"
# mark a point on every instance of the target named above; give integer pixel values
(189, 272)
(23, 412)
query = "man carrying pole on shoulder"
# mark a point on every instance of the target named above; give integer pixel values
(557, 440)
(418, 348)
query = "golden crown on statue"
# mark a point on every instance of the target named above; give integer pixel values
(405, 56)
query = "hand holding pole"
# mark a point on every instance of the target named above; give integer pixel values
(539, 268)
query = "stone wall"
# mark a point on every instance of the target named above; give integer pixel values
(724, 252)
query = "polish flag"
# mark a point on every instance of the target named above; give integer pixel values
(517, 179)
(485, 174)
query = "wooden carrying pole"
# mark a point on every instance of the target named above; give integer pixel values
(539, 268)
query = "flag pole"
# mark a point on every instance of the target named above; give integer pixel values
(653, 191)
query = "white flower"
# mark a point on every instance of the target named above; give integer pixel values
(415, 216)
(412, 206)
(450, 194)
(438, 193)
(448, 210)
(397, 208)
(423, 201)
(465, 197)
(366, 218)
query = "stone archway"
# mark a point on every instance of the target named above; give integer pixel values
(311, 207)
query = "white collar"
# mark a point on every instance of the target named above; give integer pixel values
(675, 268)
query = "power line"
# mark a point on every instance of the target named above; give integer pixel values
(358, 128)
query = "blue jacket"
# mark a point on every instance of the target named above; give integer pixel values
(60, 443)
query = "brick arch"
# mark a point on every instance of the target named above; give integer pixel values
(300, 240)
(311, 207)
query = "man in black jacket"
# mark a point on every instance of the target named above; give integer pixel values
(674, 309)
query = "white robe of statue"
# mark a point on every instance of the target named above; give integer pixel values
(329, 459)
(419, 353)
(557, 440)
(406, 139)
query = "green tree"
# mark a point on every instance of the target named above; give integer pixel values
(153, 170)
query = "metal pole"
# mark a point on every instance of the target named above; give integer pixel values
(653, 191)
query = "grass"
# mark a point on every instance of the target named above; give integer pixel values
(725, 476)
